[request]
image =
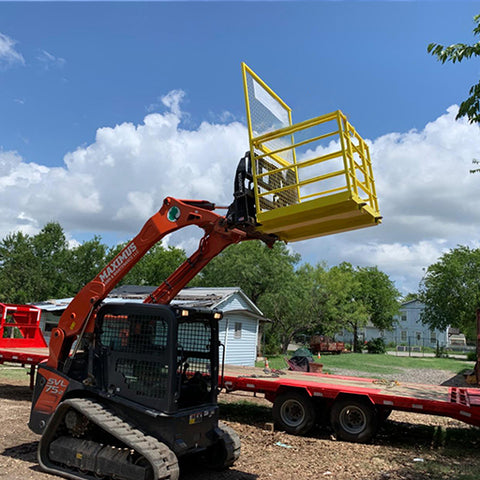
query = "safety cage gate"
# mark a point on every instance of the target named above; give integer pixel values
(312, 178)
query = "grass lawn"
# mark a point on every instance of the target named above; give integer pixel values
(363, 362)
(15, 372)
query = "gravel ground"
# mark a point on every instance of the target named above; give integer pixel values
(408, 447)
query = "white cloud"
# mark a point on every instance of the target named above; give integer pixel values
(49, 60)
(427, 196)
(118, 181)
(8, 55)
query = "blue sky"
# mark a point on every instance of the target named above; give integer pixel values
(79, 82)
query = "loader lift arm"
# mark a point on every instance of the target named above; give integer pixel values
(79, 317)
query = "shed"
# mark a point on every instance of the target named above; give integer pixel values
(238, 330)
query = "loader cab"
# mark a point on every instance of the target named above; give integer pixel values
(158, 356)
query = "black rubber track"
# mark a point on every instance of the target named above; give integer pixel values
(163, 461)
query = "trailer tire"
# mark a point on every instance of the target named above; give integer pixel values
(294, 412)
(354, 420)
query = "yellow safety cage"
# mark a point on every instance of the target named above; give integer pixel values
(312, 178)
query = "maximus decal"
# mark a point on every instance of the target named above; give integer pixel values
(120, 261)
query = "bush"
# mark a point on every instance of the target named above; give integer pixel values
(376, 345)
(472, 356)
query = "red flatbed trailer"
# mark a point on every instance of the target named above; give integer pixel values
(356, 405)
(21, 340)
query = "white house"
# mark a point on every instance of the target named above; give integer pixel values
(238, 330)
(408, 330)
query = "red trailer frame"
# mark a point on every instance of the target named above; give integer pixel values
(298, 397)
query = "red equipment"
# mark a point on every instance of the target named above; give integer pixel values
(322, 344)
(19, 327)
(152, 366)
(354, 407)
(79, 317)
(21, 340)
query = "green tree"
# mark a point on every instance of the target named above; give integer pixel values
(297, 306)
(35, 268)
(347, 311)
(379, 295)
(50, 247)
(252, 266)
(357, 296)
(409, 297)
(20, 269)
(456, 53)
(86, 262)
(451, 290)
(154, 267)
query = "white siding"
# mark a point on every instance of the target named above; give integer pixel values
(234, 302)
(243, 350)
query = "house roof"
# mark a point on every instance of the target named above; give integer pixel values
(188, 297)
(415, 300)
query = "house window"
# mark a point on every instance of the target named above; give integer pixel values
(404, 318)
(238, 330)
(403, 336)
(433, 336)
(418, 336)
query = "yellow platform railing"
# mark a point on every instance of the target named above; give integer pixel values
(275, 177)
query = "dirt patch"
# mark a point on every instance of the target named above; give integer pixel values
(408, 447)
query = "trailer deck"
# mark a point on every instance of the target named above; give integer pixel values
(455, 402)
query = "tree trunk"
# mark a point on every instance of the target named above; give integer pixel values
(356, 346)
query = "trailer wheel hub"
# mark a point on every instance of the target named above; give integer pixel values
(292, 413)
(353, 419)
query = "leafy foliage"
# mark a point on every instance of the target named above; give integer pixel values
(20, 275)
(379, 295)
(376, 345)
(451, 290)
(295, 307)
(43, 266)
(252, 266)
(360, 295)
(456, 53)
(155, 266)
(297, 299)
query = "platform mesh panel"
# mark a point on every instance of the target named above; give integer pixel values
(267, 114)
(284, 179)
(132, 338)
